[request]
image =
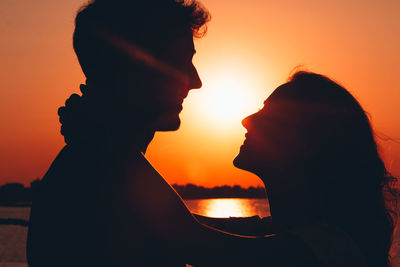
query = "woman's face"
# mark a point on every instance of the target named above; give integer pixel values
(274, 137)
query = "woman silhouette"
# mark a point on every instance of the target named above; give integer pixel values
(313, 147)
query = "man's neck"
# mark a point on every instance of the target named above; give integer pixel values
(129, 141)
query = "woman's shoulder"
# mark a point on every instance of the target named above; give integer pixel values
(331, 245)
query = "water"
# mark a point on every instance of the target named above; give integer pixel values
(14, 212)
(229, 207)
(13, 238)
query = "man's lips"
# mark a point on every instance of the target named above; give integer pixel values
(173, 107)
(174, 103)
(185, 94)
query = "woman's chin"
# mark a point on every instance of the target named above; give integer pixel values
(242, 162)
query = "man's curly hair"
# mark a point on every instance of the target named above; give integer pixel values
(150, 24)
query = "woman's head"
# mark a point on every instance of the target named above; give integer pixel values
(315, 130)
(307, 120)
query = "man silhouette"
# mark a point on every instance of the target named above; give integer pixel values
(95, 203)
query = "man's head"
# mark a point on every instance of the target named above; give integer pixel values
(139, 53)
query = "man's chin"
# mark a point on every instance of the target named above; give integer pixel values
(167, 123)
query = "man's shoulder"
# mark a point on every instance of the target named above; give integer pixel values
(70, 169)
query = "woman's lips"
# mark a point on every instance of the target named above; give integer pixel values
(246, 138)
(248, 141)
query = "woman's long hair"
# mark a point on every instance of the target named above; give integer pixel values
(360, 196)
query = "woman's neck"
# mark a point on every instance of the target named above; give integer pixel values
(292, 203)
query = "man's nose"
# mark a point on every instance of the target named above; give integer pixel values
(195, 81)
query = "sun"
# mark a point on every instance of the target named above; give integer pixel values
(226, 99)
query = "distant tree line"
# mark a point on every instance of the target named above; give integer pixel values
(18, 194)
(191, 191)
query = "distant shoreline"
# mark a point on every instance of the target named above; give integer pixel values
(29, 204)
(17, 195)
(201, 198)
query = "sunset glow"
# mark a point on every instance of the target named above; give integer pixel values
(226, 98)
(227, 101)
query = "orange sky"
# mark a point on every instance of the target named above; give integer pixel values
(251, 47)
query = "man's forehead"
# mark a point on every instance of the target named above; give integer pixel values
(184, 44)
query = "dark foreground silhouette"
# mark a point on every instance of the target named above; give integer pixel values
(137, 57)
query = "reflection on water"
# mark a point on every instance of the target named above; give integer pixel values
(14, 213)
(229, 207)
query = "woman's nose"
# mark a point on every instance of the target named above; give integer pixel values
(246, 121)
(252, 120)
